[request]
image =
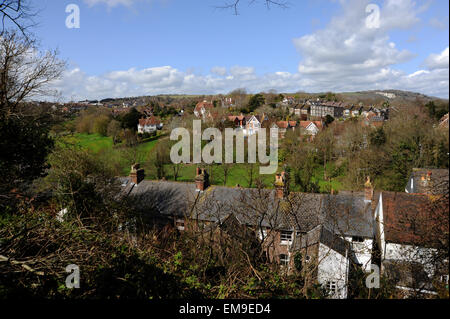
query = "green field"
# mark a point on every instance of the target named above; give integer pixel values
(119, 156)
(122, 158)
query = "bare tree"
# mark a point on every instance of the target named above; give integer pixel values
(24, 71)
(19, 13)
(235, 4)
(226, 171)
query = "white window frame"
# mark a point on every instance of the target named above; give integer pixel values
(331, 286)
(284, 261)
(286, 241)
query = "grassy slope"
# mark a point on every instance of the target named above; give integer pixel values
(238, 174)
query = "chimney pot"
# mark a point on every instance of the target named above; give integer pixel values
(201, 180)
(137, 174)
(368, 190)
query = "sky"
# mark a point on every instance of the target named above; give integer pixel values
(128, 48)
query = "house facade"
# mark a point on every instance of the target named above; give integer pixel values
(203, 109)
(149, 125)
(403, 225)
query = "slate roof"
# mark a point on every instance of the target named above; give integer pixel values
(321, 234)
(342, 214)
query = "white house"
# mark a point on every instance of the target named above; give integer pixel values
(149, 125)
(253, 124)
(311, 127)
(203, 109)
(400, 228)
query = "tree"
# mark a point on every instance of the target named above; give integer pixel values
(255, 101)
(101, 125)
(226, 171)
(113, 130)
(18, 13)
(377, 137)
(24, 75)
(234, 4)
(131, 119)
(239, 96)
(329, 119)
(24, 138)
(162, 158)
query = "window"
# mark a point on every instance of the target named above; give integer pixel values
(284, 260)
(444, 279)
(179, 224)
(298, 233)
(286, 237)
(262, 233)
(357, 239)
(331, 286)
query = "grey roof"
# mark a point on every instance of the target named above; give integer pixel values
(346, 215)
(321, 234)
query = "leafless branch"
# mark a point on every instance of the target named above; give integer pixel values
(235, 4)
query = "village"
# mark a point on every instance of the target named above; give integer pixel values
(329, 236)
(236, 158)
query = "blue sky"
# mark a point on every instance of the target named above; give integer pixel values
(145, 47)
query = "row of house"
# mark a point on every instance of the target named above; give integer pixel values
(251, 124)
(334, 233)
(320, 109)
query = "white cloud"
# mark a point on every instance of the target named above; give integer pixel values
(438, 61)
(346, 55)
(347, 47)
(77, 85)
(218, 70)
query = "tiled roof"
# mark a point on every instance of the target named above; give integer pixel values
(283, 124)
(149, 121)
(429, 181)
(305, 124)
(404, 217)
(203, 104)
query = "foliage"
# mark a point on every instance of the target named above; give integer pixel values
(131, 119)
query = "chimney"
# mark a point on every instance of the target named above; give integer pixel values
(137, 174)
(368, 190)
(280, 185)
(201, 180)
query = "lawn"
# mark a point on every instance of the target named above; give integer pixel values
(122, 157)
(238, 174)
(93, 142)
